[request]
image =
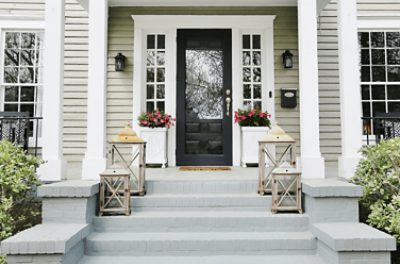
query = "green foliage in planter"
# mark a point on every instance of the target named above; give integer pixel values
(379, 173)
(18, 181)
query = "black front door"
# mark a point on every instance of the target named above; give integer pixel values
(204, 116)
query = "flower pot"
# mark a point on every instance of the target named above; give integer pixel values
(156, 147)
(249, 144)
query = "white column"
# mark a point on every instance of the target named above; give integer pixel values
(95, 157)
(312, 164)
(53, 92)
(350, 96)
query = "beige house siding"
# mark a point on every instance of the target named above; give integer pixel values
(119, 90)
(75, 83)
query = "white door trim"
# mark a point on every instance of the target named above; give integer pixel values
(168, 25)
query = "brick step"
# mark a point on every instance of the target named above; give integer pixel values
(202, 221)
(172, 202)
(206, 243)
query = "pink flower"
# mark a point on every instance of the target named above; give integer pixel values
(242, 117)
(262, 114)
(250, 114)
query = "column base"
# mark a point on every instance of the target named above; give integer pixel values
(311, 167)
(53, 170)
(91, 168)
(347, 166)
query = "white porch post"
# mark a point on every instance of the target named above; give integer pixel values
(312, 164)
(95, 157)
(53, 92)
(350, 97)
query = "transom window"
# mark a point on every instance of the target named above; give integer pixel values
(251, 69)
(155, 73)
(380, 73)
(21, 72)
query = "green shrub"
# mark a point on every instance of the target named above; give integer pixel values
(379, 173)
(19, 209)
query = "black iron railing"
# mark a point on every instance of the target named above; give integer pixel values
(381, 128)
(22, 130)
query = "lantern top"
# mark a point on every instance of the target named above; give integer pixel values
(127, 134)
(277, 135)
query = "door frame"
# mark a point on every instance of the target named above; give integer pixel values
(168, 25)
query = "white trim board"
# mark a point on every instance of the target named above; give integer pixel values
(378, 23)
(168, 25)
(229, 3)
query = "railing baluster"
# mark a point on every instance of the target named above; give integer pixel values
(18, 130)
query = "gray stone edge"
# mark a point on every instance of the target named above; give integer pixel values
(330, 188)
(69, 189)
(16, 245)
(349, 240)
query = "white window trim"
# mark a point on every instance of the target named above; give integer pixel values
(168, 25)
(377, 23)
(20, 24)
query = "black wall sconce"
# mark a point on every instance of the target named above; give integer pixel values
(120, 62)
(287, 57)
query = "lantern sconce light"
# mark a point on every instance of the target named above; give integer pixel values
(287, 57)
(120, 62)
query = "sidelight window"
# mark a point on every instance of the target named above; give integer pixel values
(251, 71)
(155, 72)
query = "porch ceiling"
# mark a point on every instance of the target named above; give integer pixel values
(203, 3)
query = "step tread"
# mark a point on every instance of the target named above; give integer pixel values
(205, 214)
(232, 259)
(208, 236)
(201, 195)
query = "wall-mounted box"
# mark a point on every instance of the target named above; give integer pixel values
(288, 97)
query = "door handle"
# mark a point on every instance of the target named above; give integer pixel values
(228, 101)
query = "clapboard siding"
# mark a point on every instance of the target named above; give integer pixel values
(120, 39)
(75, 85)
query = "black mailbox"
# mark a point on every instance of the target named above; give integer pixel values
(288, 97)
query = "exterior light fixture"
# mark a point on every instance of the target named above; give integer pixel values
(120, 62)
(287, 57)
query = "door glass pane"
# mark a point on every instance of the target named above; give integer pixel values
(204, 97)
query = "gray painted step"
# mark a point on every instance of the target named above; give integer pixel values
(198, 186)
(223, 259)
(206, 243)
(202, 221)
(201, 202)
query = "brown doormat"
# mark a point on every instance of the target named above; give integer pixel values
(202, 168)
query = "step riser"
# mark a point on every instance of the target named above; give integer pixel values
(197, 247)
(157, 202)
(205, 209)
(198, 224)
(196, 187)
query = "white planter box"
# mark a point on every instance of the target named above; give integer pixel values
(156, 147)
(249, 143)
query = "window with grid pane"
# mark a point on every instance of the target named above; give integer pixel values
(155, 73)
(380, 74)
(21, 81)
(251, 70)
